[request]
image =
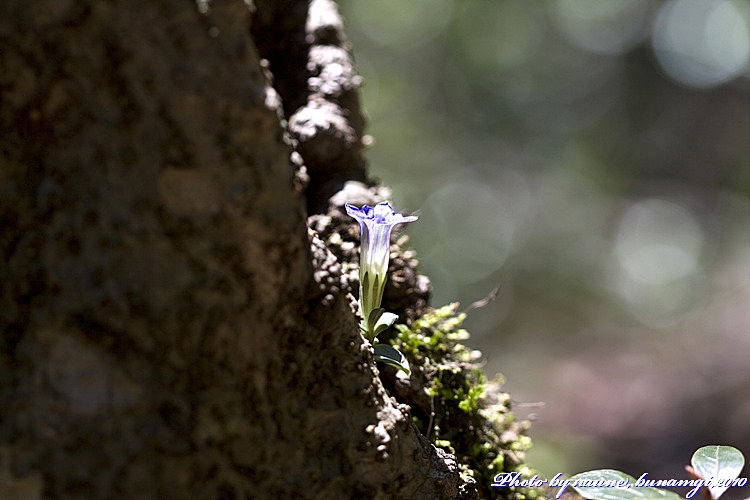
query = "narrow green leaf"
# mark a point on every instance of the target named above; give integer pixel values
(608, 484)
(719, 466)
(385, 321)
(389, 355)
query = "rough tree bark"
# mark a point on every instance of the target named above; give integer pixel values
(169, 328)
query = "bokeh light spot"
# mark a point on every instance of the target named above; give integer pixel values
(658, 248)
(701, 43)
(477, 226)
(402, 24)
(658, 242)
(610, 28)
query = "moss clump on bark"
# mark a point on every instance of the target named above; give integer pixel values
(457, 408)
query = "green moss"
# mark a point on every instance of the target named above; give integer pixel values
(444, 444)
(432, 333)
(455, 406)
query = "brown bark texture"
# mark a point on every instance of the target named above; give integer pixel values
(169, 327)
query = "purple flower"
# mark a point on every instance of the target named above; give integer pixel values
(375, 224)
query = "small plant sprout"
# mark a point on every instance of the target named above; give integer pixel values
(376, 224)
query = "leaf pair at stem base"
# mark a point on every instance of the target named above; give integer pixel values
(377, 322)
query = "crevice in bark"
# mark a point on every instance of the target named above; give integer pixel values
(321, 103)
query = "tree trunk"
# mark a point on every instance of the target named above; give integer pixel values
(169, 328)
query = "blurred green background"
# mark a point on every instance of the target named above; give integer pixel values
(592, 158)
